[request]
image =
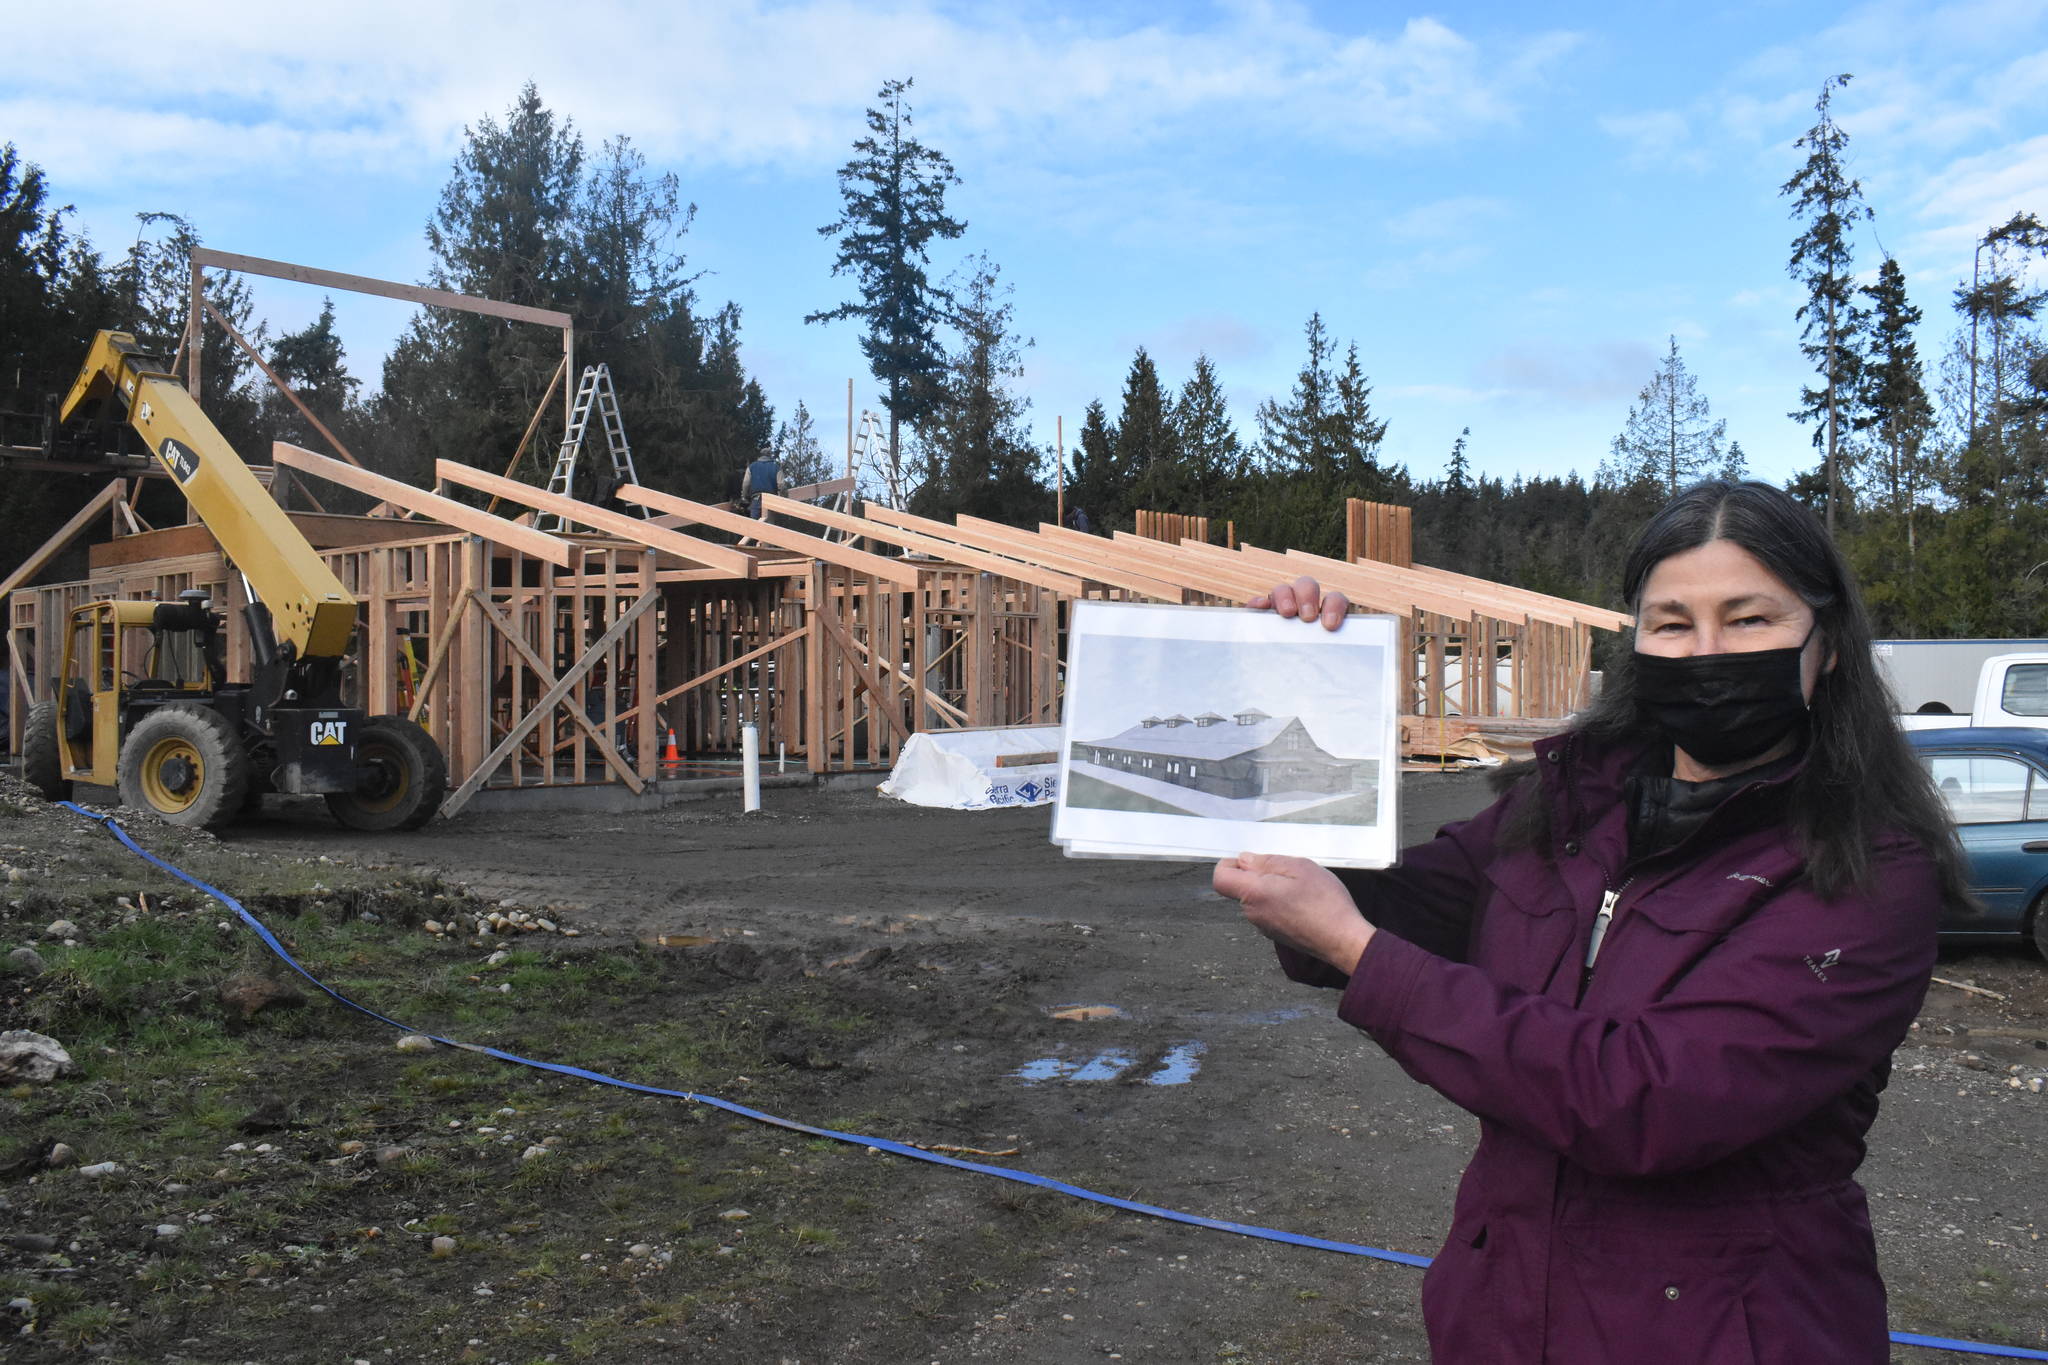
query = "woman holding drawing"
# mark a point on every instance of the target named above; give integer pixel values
(1666, 969)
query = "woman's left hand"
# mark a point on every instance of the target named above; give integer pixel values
(1297, 903)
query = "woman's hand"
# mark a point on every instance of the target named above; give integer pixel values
(1305, 599)
(1298, 904)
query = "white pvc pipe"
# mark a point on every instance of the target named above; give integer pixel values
(750, 752)
(781, 756)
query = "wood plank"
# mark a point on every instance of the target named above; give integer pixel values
(547, 703)
(830, 488)
(206, 257)
(1584, 611)
(458, 514)
(869, 679)
(61, 540)
(995, 538)
(633, 529)
(1437, 597)
(614, 760)
(1155, 558)
(875, 566)
(947, 551)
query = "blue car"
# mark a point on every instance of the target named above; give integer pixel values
(1996, 784)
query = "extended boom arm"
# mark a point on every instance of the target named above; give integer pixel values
(311, 612)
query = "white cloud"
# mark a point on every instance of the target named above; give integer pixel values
(229, 87)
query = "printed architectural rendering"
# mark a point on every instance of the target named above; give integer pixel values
(1249, 756)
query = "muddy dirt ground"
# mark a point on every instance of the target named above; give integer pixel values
(1215, 1086)
(843, 960)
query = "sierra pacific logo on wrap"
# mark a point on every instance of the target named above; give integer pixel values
(182, 460)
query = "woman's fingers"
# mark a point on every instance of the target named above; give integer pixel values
(1304, 600)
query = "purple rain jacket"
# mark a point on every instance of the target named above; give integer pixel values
(1664, 1170)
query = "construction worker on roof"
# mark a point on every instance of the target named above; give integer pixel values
(764, 475)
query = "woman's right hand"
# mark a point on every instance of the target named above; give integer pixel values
(1305, 600)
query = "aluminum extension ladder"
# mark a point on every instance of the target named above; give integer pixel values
(594, 390)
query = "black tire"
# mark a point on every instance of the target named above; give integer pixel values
(41, 764)
(2037, 917)
(409, 777)
(186, 764)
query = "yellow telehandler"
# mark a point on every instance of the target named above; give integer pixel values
(142, 701)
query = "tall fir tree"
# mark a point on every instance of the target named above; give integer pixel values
(1295, 434)
(1893, 406)
(314, 363)
(894, 193)
(978, 455)
(1147, 454)
(1671, 437)
(1093, 486)
(527, 218)
(798, 452)
(461, 386)
(1211, 454)
(1828, 203)
(1319, 447)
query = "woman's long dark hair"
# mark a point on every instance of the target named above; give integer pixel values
(1860, 781)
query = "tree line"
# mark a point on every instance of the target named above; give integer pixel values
(1933, 485)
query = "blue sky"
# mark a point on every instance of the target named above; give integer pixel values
(1508, 207)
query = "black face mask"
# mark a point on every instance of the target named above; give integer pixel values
(1723, 709)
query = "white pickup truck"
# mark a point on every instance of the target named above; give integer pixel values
(2012, 689)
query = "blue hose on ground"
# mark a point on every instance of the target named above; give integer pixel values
(875, 1144)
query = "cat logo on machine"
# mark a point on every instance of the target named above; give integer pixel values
(182, 460)
(327, 732)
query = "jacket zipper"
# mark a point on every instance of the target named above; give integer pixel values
(1608, 902)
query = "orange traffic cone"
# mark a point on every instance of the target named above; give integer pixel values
(669, 757)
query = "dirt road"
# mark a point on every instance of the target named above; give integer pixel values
(1208, 1084)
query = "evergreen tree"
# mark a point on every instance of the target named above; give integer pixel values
(32, 258)
(2000, 298)
(151, 297)
(1295, 435)
(1147, 457)
(525, 218)
(1320, 447)
(312, 361)
(1455, 503)
(977, 455)
(1893, 405)
(1671, 438)
(1735, 467)
(1212, 457)
(797, 451)
(1829, 204)
(1093, 486)
(1357, 436)
(895, 205)
(462, 386)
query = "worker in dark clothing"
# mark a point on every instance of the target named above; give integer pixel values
(764, 475)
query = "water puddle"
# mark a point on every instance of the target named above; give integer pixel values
(1104, 1066)
(1177, 1067)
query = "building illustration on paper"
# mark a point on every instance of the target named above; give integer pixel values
(1248, 755)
